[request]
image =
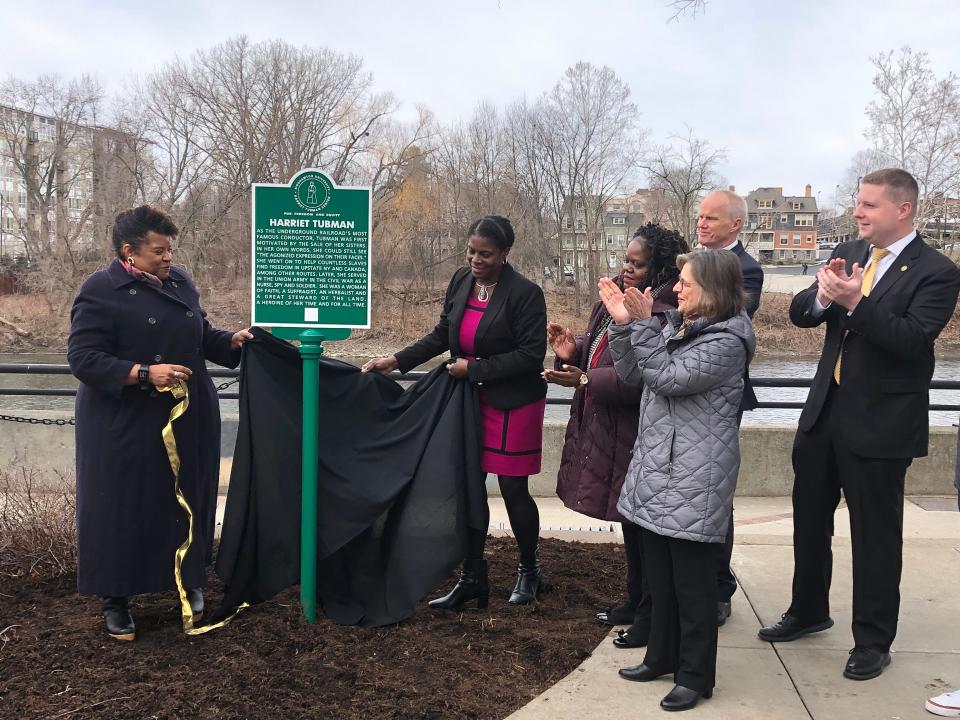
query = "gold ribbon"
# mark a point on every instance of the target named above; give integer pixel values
(180, 392)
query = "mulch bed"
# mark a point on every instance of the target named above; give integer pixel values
(59, 663)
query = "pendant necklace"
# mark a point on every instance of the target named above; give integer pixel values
(483, 295)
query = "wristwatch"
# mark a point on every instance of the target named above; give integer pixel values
(584, 379)
(143, 377)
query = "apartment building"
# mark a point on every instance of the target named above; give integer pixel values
(47, 182)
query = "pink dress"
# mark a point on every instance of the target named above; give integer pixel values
(512, 439)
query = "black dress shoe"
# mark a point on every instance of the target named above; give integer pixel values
(632, 638)
(790, 628)
(865, 663)
(618, 614)
(529, 580)
(683, 698)
(473, 585)
(195, 598)
(640, 673)
(723, 612)
(117, 617)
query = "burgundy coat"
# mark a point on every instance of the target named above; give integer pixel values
(602, 429)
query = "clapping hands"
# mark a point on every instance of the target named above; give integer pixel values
(835, 286)
(625, 306)
(561, 341)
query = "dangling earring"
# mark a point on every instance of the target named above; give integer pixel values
(130, 260)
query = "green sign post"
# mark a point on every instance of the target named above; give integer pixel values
(310, 281)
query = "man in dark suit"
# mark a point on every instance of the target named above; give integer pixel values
(721, 218)
(885, 298)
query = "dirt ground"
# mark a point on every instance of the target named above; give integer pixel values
(57, 662)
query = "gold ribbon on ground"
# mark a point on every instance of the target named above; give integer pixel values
(180, 392)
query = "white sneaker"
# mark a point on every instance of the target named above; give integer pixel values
(946, 705)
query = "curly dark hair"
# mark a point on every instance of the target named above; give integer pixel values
(661, 246)
(131, 226)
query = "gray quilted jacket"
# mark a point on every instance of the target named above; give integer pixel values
(683, 474)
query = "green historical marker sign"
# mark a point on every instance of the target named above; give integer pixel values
(311, 254)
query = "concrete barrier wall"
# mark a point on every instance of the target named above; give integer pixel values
(765, 469)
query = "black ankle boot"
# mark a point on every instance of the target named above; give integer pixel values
(119, 621)
(529, 579)
(473, 585)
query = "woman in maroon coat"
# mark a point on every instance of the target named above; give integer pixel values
(604, 416)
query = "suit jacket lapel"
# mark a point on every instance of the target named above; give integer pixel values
(901, 266)
(456, 312)
(497, 303)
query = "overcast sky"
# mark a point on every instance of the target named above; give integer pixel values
(782, 86)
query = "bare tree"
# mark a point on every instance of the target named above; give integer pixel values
(915, 123)
(686, 7)
(243, 112)
(527, 172)
(684, 170)
(585, 127)
(863, 163)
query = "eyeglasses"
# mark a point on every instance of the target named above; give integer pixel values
(635, 264)
(684, 284)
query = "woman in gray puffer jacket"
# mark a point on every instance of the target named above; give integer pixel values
(680, 484)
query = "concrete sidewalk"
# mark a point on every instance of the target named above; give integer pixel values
(802, 679)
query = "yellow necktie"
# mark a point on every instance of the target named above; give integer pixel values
(876, 255)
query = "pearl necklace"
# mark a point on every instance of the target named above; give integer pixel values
(483, 295)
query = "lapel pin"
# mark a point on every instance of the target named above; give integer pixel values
(903, 268)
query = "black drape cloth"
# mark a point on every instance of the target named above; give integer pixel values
(399, 485)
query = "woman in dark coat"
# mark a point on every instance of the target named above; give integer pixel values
(136, 327)
(602, 428)
(492, 324)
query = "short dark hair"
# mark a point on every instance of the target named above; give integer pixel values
(131, 226)
(495, 228)
(720, 278)
(661, 247)
(901, 185)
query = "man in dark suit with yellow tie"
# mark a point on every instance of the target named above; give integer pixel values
(885, 298)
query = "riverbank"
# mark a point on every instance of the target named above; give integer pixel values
(32, 325)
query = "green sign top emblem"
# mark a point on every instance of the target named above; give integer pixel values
(312, 191)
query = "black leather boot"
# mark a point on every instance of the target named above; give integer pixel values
(119, 621)
(473, 585)
(529, 579)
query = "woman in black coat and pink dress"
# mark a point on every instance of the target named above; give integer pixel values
(492, 323)
(604, 416)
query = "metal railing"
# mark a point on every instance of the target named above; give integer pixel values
(758, 382)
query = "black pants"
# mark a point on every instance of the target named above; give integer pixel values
(637, 587)
(723, 552)
(683, 635)
(873, 489)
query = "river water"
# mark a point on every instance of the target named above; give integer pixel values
(774, 367)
